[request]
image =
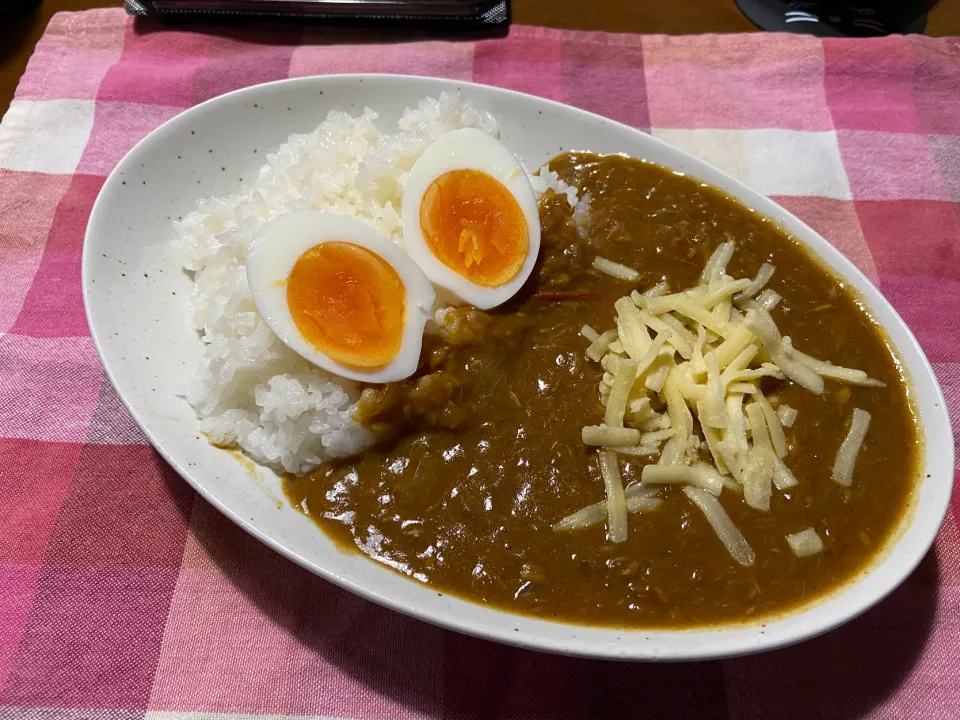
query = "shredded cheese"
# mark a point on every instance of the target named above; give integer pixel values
(603, 436)
(589, 333)
(758, 426)
(738, 341)
(672, 453)
(638, 499)
(805, 543)
(836, 372)
(714, 413)
(599, 346)
(735, 435)
(768, 299)
(730, 460)
(684, 383)
(763, 277)
(619, 393)
(850, 447)
(686, 307)
(757, 478)
(644, 363)
(621, 272)
(661, 288)
(722, 292)
(722, 525)
(716, 265)
(640, 409)
(783, 478)
(712, 437)
(654, 422)
(778, 438)
(656, 378)
(723, 310)
(691, 391)
(638, 451)
(683, 338)
(630, 329)
(657, 436)
(680, 418)
(702, 476)
(759, 322)
(787, 415)
(616, 501)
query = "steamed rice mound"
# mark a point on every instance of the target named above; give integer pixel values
(251, 390)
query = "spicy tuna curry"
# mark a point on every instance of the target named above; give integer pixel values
(483, 451)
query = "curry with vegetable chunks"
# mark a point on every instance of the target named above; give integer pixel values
(483, 451)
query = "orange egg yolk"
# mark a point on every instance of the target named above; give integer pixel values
(474, 226)
(349, 303)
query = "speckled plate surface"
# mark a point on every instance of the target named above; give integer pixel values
(136, 293)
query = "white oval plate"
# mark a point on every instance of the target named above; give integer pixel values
(135, 295)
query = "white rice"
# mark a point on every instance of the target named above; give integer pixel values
(250, 390)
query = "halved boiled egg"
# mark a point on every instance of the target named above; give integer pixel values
(340, 294)
(470, 218)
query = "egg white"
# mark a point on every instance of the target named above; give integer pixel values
(274, 251)
(468, 149)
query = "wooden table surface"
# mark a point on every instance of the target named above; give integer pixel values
(676, 17)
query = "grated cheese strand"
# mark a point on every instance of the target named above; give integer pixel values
(712, 438)
(738, 341)
(768, 299)
(638, 499)
(777, 437)
(735, 435)
(656, 378)
(637, 451)
(722, 525)
(758, 426)
(616, 501)
(589, 333)
(680, 418)
(714, 414)
(787, 415)
(836, 372)
(783, 478)
(603, 436)
(757, 478)
(671, 453)
(619, 393)
(685, 338)
(723, 291)
(759, 322)
(716, 264)
(805, 543)
(686, 307)
(630, 328)
(644, 363)
(661, 288)
(700, 475)
(850, 448)
(763, 277)
(615, 269)
(599, 346)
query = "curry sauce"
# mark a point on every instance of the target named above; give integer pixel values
(480, 452)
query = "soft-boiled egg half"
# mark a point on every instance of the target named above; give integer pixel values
(340, 294)
(470, 218)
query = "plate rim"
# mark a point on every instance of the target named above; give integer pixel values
(749, 643)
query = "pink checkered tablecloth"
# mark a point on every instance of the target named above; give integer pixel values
(124, 595)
